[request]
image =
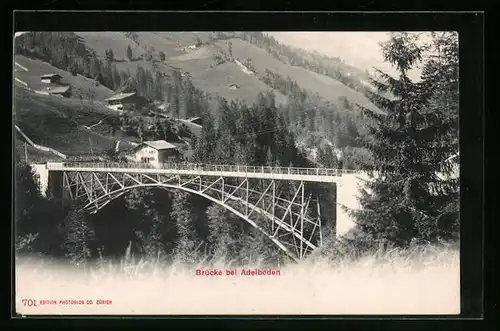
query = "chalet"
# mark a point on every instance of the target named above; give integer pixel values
(156, 152)
(51, 78)
(64, 91)
(118, 101)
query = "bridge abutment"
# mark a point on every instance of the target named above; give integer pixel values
(55, 187)
(348, 191)
(43, 177)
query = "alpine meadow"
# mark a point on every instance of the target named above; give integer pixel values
(236, 173)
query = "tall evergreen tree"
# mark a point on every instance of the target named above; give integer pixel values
(225, 231)
(78, 236)
(405, 198)
(130, 56)
(116, 78)
(205, 145)
(188, 242)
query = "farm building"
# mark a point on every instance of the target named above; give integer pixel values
(156, 152)
(64, 91)
(51, 78)
(118, 101)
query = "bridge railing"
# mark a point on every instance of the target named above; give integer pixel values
(206, 168)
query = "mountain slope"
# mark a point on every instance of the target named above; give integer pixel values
(325, 86)
(212, 78)
(59, 123)
(29, 71)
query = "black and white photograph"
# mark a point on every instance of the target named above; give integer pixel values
(245, 172)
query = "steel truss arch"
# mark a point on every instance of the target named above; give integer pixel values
(290, 229)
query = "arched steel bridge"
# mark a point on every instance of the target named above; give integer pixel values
(278, 209)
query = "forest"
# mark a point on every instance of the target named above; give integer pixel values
(406, 147)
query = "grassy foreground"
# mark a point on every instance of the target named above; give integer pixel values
(419, 282)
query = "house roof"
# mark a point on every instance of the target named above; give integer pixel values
(59, 89)
(120, 96)
(50, 75)
(159, 144)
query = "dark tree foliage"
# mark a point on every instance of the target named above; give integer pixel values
(78, 236)
(243, 135)
(37, 219)
(225, 233)
(130, 55)
(408, 199)
(311, 117)
(110, 57)
(188, 243)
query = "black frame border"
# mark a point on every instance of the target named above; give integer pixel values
(470, 26)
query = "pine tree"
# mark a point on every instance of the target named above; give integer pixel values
(27, 196)
(130, 56)
(230, 49)
(403, 201)
(205, 145)
(78, 236)
(188, 242)
(441, 76)
(150, 228)
(116, 78)
(224, 233)
(110, 57)
(177, 96)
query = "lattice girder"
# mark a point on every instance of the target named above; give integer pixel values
(287, 223)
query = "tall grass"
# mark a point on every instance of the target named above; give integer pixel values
(423, 280)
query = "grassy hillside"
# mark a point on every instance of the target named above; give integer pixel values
(201, 65)
(198, 63)
(217, 80)
(325, 86)
(34, 155)
(117, 41)
(58, 123)
(80, 85)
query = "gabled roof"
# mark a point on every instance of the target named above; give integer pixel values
(120, 96)
(59, 89)
(50, 75)
(159, 144)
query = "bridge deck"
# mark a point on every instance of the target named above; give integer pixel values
(324, 175)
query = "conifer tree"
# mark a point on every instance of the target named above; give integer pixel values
(130, 56)
(205, 145)
(405, 198)
(78, 235)
(188, 242)
(224, 232)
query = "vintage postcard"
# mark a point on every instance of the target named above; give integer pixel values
(201, 173)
